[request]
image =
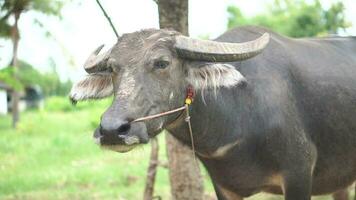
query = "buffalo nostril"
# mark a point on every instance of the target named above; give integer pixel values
(124, 128)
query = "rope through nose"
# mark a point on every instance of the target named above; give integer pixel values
(188, 100)
(187, 119)
(149, 117)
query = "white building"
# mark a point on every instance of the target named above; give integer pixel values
(3, 99)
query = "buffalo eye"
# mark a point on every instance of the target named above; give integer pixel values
(160, 64)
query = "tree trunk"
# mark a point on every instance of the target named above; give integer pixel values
(185, 178)
(151, 170)
(15, 97)
(173, 14)
(341, 195)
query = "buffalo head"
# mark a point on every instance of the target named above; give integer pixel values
(148, 72)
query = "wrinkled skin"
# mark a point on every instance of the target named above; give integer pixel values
(142, 87)
(149, 77)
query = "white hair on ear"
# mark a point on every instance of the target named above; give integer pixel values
(213, 76)
(93, 86)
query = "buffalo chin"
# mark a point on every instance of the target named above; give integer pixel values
(119, 148)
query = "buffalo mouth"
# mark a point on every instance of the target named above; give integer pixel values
(120, 143)
(119, 148)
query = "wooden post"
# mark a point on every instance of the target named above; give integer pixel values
(151, 170)
(185, 178)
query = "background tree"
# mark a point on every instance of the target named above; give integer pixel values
(185, 178)
(14, 9)
(295, 18)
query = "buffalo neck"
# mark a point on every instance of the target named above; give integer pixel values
(215, 117)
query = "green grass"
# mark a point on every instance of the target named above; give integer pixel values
(51, 155)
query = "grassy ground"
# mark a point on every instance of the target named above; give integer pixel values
(51, 155)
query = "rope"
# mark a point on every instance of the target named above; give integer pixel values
(108, 18)
(187, 119)
(149, 117)
(188, 101)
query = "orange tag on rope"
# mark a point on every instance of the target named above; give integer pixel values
(190, 95)
(188, 101)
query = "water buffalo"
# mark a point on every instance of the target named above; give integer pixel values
(270, 113)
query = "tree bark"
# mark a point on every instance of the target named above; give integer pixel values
(15, 37)
(151, 171)
(185, 178)
(341, 195)
(173, 14)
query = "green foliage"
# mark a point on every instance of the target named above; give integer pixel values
(49, 7)
(5, 29)
(10, 7)
(63, 88)
(7, 76)
(335, 18)
(295, 18)
(49, 82)
(28, 76)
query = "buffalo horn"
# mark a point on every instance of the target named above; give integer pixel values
(213, 51)
(95, 62)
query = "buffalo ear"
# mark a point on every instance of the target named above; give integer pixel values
(93, 86)
(214, 75)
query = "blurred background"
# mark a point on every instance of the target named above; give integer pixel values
(46, 150)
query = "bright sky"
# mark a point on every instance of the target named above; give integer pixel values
(83, 28)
